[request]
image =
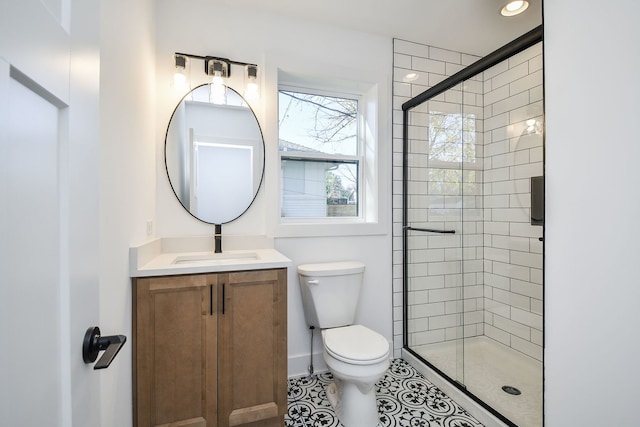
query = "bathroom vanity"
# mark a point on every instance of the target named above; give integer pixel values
(210, 326)
(210, 338)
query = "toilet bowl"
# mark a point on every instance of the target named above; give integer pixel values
(356, 355)
(357, 358)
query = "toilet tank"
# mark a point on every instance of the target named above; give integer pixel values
(330, 292)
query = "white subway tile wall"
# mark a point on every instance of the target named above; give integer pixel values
(472, 147)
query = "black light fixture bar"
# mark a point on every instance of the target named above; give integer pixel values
(518, 45)
(208, 59)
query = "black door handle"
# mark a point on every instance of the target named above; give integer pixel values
(94, 343)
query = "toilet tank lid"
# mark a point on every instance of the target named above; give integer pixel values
(331, 268)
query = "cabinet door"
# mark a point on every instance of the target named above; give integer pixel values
(252, 348)
(175, 332)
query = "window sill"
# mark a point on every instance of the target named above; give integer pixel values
(326, 228)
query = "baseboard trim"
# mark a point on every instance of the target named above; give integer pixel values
(299, 364)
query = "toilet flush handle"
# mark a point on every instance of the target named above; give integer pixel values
(313, 282)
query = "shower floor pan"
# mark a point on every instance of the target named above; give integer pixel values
(488, 367)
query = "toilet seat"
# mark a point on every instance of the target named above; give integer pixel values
(356, 344)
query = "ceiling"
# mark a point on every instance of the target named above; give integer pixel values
(468, 26)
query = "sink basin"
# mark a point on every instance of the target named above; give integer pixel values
(213, 258)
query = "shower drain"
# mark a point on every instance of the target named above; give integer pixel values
(511, 390)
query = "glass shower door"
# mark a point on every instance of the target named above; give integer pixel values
(473, 233)
(434, 232)
(503, 356)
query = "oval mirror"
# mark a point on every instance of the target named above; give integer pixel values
(214, 155)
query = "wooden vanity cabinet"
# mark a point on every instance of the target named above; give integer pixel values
(210, 349)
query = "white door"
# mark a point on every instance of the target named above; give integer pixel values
(48, 228)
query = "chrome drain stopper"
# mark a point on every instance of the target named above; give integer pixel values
(511, 390)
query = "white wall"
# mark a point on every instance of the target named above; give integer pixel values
(275, 43)
(592, 345)
(127, 178)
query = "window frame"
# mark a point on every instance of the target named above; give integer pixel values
(375, 190)
(359, 158)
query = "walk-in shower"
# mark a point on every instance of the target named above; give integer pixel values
(472, 229)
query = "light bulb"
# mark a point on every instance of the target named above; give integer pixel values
(179, 77)
(217, 80)
(514, 5)
(252, 93)
(218, 91)
(252, 90)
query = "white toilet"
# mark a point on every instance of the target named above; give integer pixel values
(356, 356)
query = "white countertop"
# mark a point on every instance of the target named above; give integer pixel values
(173, 256)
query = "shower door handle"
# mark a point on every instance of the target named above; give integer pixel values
(430, 230)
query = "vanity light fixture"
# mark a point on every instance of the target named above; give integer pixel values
(514, 7)
(220, 70)
(217, 67)
(251, 91)
(179, 76)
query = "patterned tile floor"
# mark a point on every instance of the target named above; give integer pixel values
(405, 399)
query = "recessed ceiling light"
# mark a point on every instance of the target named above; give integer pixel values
(514, 7)
(409, 77)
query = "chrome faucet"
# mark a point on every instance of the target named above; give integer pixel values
(217, 238)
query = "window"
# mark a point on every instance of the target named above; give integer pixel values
(452, 150)
(330, 174)
(452, 138)
(454, 172)
(321, 158)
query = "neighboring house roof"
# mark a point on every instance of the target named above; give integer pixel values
(285, 145)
